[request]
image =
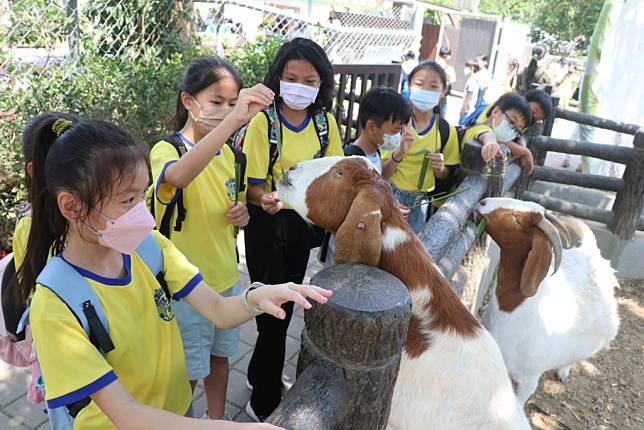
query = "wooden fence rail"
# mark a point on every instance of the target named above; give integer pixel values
(594, 121)
(625, 217)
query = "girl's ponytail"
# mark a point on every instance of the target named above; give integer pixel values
(48, 227)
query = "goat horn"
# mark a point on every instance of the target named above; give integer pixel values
(553, 236)
(566, 240)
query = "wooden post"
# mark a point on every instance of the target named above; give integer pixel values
(629, 202)
(351, 349)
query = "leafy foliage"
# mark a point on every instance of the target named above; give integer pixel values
(253, 60)
(563, 25)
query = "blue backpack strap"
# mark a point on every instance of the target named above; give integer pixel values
(70, 287)
(151, 254)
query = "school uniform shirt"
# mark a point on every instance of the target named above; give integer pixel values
(299, 143)
(207, 236)
(475, 132)
(407, 173)
(20, 238)
(148, 359)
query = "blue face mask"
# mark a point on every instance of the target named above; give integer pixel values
(504, 132)
(425, 100)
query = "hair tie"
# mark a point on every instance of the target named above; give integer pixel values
(60, 125)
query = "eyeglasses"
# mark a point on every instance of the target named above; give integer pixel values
(516, 129)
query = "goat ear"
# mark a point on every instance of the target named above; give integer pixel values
(536, 266)
(358, 240)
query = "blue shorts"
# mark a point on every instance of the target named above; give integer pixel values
(201, 338)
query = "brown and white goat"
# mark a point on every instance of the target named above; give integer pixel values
(546, 322)
(452, 374)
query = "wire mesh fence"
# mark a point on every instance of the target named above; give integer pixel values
(347, 36)
(36, 34)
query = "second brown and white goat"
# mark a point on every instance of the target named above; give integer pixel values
(452, 374)
(546, 322)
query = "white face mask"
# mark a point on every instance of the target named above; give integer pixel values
(425, 100)
(391, 142)
(504, 132)
(298, 96)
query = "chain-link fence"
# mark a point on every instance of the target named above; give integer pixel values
(346, 35)
(36, 34)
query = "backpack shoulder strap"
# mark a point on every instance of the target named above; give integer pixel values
(443, 130)
(151, 254)
(321, 123)
(164, 227)
(274, 140)
(61, 278)
(240, 159)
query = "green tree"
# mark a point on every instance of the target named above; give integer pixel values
(551, 21)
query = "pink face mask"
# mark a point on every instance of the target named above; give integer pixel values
(125, 233)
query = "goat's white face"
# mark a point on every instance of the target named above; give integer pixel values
(522, 229)
(489, 205)
(294, 184)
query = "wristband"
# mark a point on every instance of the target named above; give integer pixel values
(394, 158)
(247, 304)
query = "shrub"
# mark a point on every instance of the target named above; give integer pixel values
(254, 58)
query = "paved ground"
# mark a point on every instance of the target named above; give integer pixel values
(17, 413)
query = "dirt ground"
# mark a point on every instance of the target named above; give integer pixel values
(606, 391)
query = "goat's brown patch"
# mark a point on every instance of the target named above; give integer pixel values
(416, 342)
(525, 255)
(351, 185)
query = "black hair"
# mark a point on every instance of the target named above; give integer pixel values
(26, 140)
(444, 52)
(474, 65)
(200, 74)
(542, 98)
(85, 157)
(381, 104)
(304, 49)
(429, 65)
(516, 102)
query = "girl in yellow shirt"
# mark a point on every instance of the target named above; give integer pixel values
(208, 186)
(278, 241)
(88, 188)
(404, 167)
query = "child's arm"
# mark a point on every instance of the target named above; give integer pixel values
(229, 312)
(491, 147)
(189, 166)
(523, 153)
(126, 413)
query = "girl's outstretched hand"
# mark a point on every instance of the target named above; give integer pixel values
(251, 101)
(270, 298)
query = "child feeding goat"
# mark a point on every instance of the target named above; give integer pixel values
(451, 374)
(546, 322)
